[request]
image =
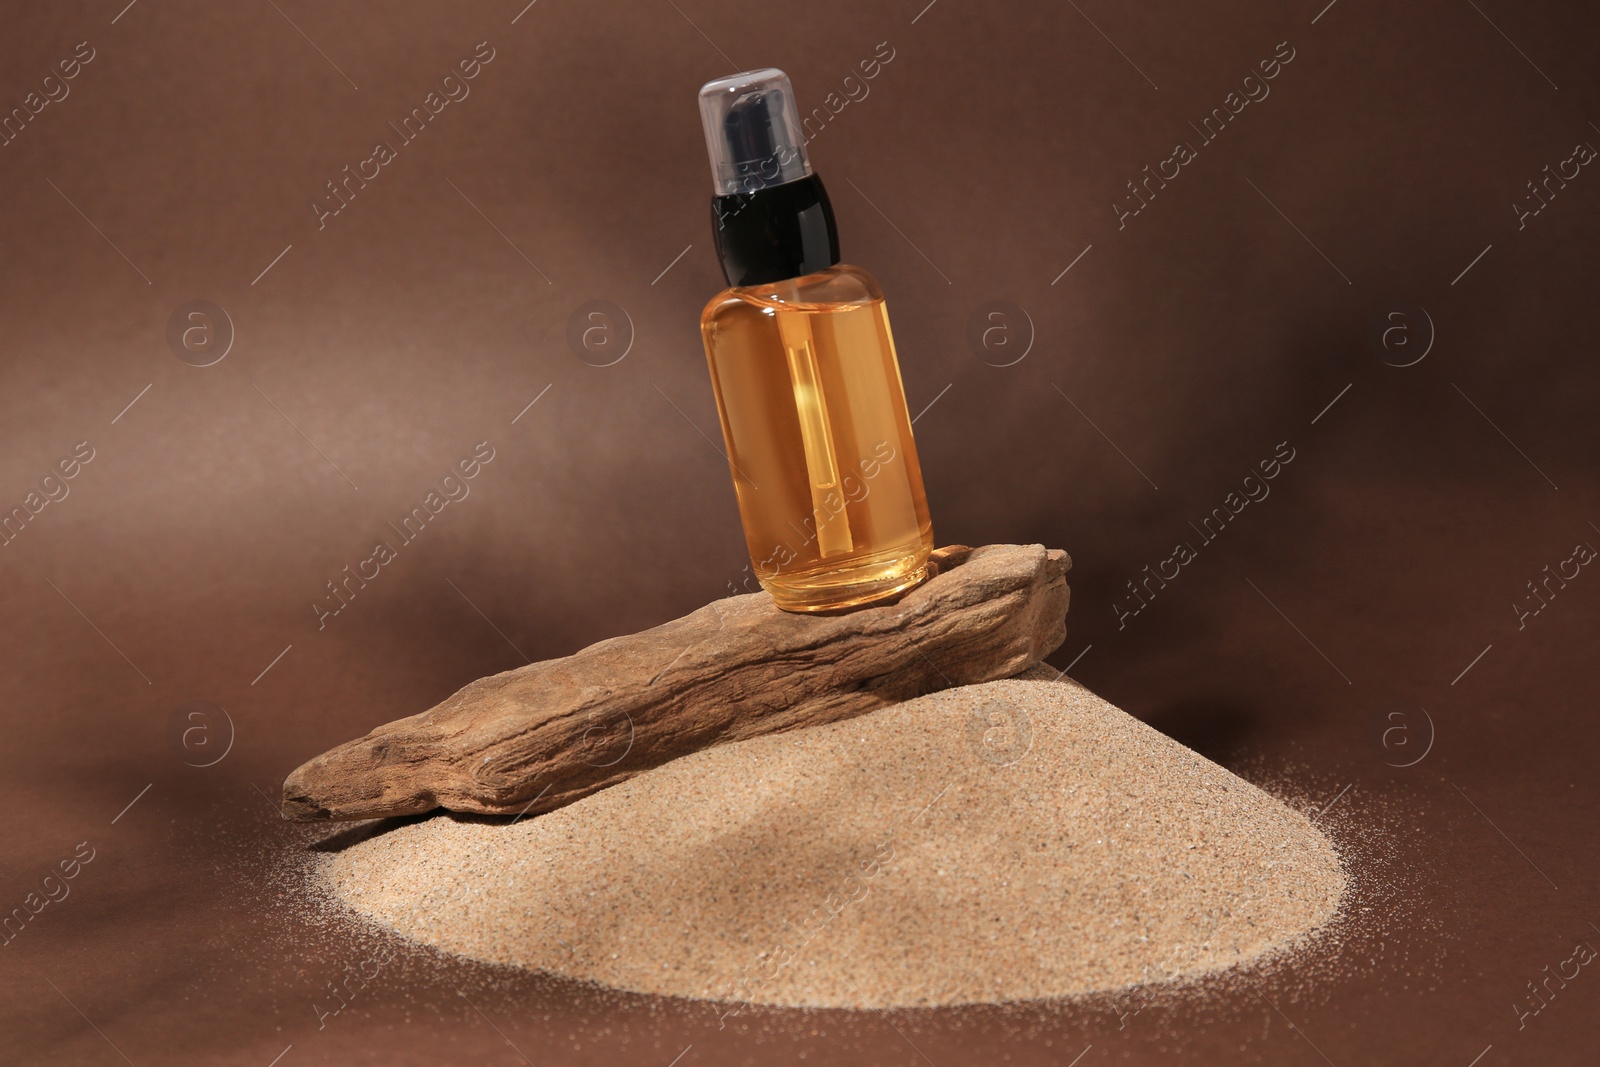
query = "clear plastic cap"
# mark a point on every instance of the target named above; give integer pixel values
(753, 132)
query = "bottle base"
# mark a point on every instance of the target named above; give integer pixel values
(854, 588)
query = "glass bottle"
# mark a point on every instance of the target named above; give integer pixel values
(803, 365)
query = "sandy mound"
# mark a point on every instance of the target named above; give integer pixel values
(1008, 841)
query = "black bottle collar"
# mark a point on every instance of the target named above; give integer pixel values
(782, 231)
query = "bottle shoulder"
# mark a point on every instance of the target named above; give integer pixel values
(841, 285)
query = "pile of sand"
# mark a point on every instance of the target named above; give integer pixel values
(999, 842)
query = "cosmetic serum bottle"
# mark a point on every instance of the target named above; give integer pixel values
(807, 384)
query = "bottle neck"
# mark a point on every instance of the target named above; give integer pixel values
(782, 231)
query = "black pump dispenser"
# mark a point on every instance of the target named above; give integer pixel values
(770, 217)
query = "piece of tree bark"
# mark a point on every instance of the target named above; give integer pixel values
(542, 736)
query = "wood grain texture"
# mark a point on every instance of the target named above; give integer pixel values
(542, 736)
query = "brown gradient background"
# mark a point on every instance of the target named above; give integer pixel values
(1197, 338)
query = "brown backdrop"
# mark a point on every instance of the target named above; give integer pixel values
(1243, 308)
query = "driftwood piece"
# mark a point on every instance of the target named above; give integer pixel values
(542, 736)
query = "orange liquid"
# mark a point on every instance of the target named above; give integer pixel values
(819, 440)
